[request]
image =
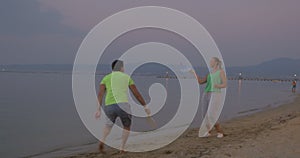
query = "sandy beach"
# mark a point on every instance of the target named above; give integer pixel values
(268, 134)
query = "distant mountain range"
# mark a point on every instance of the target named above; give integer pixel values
(280, 68)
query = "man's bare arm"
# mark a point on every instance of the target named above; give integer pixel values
(137, 94)
(139, 97)
(100, 95)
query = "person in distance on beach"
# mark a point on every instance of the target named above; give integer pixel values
(294, 84)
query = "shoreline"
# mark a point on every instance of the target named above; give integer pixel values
(288, 100)
(244, 134)
(158, 75)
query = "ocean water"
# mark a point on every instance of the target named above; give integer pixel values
(38, 115)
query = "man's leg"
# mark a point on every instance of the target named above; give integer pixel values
(126, 131)
(125, 116)
(110, 118)
(106, 132)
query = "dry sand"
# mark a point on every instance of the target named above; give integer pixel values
(274, 133)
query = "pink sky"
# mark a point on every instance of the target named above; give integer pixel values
(247, 32)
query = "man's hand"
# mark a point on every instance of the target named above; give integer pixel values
(147, 110)
(98, 114)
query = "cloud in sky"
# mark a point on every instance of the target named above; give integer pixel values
(28, 18)
(247, 32)
(30, 34)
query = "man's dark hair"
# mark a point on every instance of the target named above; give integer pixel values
(117, 65)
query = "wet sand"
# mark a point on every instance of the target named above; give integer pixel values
(269, 134)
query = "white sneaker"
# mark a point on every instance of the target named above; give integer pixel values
(220, 135)
(205, 135)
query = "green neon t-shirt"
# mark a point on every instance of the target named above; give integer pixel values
(116, 84)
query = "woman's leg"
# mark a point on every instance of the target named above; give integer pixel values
(205, 103)
(205, 125)
(218, 128)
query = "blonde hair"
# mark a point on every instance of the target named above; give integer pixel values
(218, 62)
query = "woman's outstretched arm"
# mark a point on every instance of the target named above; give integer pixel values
(200, 80)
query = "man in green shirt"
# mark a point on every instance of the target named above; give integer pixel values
(116, 85)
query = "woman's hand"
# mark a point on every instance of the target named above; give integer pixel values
(220, 86)
(196, 76)
(217, 86)
(192, 71)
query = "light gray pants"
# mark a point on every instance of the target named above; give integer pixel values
(205, 103)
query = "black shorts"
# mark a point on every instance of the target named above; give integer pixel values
(121, 110)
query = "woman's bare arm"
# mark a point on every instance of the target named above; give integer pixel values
(223, 79)
(200, 80)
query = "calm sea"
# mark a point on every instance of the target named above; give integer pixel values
(38, 115)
